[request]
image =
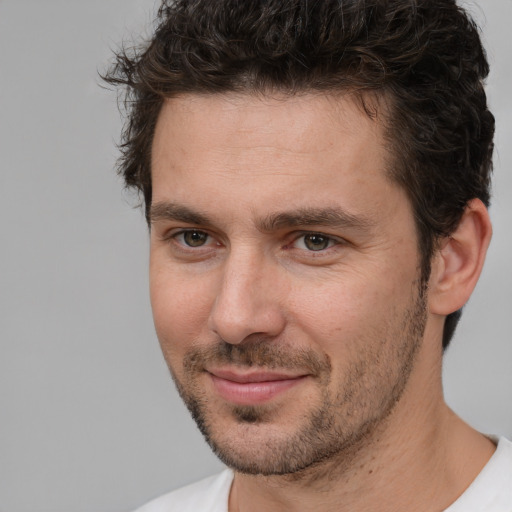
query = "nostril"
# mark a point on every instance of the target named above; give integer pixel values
(236, 321)
(246, 303)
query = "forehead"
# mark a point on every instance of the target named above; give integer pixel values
(311, 122)
(296, 150)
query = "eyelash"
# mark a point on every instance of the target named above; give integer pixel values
(330, 240)
(175, 236)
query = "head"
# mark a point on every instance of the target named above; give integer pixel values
(311, 171)
(419, 65)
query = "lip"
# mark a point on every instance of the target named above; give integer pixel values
(252, 388)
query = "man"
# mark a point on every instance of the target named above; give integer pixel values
(316, 180)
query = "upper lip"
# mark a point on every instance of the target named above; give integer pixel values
(252, 376)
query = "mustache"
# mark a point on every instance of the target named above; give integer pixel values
(257, 352)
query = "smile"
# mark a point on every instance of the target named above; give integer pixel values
(252, 388)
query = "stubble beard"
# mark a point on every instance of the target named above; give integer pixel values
(335, 429)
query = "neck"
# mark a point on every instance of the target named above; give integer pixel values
(422, 459)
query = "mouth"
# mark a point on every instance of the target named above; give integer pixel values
(254, 387)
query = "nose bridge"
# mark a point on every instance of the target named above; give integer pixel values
(246, 303)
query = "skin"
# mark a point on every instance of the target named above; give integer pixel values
(287, 299)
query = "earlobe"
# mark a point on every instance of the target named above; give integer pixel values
(458, 263)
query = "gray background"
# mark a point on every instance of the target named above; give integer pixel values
(89, 419)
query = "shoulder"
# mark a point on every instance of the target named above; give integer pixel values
(208, 495)
(491, 490)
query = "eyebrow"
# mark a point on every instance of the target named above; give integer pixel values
(329, 217)
(171, 211)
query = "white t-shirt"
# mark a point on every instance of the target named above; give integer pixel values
(491, 491)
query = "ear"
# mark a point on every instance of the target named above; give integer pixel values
(458, 263)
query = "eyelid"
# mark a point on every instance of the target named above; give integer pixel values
(334, 240)
(174, 233)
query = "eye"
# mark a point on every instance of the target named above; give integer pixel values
(192, 238)
(314, 242)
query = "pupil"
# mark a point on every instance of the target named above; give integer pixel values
(316, 242)
(195, 238)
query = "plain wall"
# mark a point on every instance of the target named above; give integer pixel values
(89, 419)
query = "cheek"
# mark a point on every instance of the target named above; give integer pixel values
(343, 314)
(181, 308)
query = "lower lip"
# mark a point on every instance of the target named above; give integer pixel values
(252, 393)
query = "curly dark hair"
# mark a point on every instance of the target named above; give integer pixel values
(424, 56)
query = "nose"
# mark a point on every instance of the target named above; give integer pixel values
(247, 302)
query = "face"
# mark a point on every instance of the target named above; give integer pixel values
(284, 275)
